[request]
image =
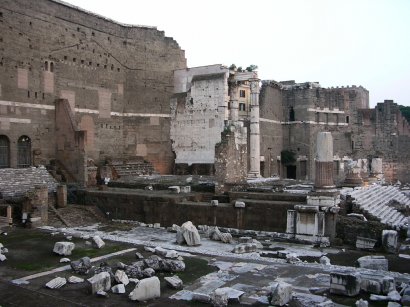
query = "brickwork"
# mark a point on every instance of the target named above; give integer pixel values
(117, 78)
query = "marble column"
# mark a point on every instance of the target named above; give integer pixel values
(254, 171)
(233, 102)
(324, 161)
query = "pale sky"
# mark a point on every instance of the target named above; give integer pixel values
(335, 42)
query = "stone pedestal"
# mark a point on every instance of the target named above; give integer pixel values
(39, 207)
(61, 196)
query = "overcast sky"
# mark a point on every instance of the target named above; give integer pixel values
(338, 43)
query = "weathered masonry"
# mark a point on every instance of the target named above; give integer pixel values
(115, 82)
(292, 114)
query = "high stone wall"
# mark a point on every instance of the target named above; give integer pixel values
(117, 78)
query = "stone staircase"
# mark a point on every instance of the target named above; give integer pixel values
(374, 202)
(128, 169)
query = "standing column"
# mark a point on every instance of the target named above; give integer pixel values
(234, 104)
(324, 161)
(254, 171)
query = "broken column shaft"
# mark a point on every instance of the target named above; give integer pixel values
(254, 171)
(324, 161)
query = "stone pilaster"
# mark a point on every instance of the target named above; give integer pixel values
(254, 170)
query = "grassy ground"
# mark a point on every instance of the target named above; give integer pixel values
(31, 251)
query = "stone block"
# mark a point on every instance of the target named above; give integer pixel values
(324, 260)
(146, 289)
(371, 286)
(361, 303)
(119, 289)
(240, 204)
(245, 240)
(75, 280)
(280, 294)
(100, 281)
(81, 266)
(345, 283)
(98, 242)
(56, 283)
(185, 189)
(219, 298)
(174, 282)
(175, 189)
(189, 234)
(121, 277)
(244, 248)
(389, 241)
(63, 248)
(365, 243)
(373, 262)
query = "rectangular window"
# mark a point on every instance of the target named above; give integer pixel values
(347, 119)
(242, 107)
(242, 93)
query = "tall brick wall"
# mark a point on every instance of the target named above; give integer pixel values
(117, 78)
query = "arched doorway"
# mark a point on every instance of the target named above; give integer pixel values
(24, 151)
(4, 151)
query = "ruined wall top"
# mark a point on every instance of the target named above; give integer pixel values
(100, 16)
